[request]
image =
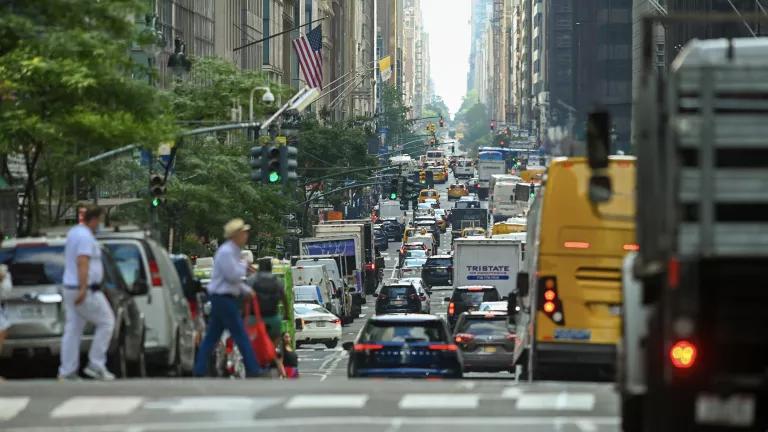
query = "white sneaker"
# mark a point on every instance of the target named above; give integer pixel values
(99, 373)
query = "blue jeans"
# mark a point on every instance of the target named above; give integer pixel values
(225, 314)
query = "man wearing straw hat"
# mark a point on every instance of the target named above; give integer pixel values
(226, 288)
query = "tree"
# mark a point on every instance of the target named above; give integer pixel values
(437, 107)
(211, 182)
(67, 94)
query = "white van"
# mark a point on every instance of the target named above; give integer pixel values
(310, 294)
(316, 275)
(463, 168)
(501, 203)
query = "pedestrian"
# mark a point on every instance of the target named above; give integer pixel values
(84, 301)
(5, 289)
(270, 292)
(225, 290)
(288, 358)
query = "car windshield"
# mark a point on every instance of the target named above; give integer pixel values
(34, 265)
(380, 331)
(493, 306)
(438, 262)
(496, 326)
(306, 309)
(477, 297)
(467, 204)
(416, 253)
(397, 290)
(414, 262)
(129, 261)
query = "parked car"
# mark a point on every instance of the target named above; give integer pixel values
(193, 292)
(397, 298)
(438, 271)
(421, 290)
(170, 338)
(34, 307)
(404, 346)
(315, 324)
(486, 340)
(468, 299)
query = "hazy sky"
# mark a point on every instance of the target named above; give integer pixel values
(447, 22)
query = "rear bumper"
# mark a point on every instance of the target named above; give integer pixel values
(500, 361)
(384, 311)
(36, 346)
(324, 334)
(567, 354)
(407, 373)
(437, 280)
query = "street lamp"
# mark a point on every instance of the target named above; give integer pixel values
(268, 98)
(178, 61)
(152, 39)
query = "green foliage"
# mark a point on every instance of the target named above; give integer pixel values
(66, 92)
(437, 107)
(476, 126)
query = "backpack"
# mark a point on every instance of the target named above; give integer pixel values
(270, 293)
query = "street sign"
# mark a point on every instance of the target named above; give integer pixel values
(296, 231)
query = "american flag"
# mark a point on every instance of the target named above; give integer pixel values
(309, 49)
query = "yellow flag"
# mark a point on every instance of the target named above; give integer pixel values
(385, 68)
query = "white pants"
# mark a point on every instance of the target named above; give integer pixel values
(94, 309)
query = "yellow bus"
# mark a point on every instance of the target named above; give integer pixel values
(569, 321)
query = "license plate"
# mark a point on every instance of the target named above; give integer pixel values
(26, 312)
(615, 310)
(736, 410)
(319, 324)
(398, 302)
(489, 349)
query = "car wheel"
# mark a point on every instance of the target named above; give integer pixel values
(139, 366)
(175, 367)
(332, 343)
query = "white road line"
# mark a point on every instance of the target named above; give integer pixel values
(438, 401)
(556, 401)
(511, 393)
(10, 407)
(215, 404)
(327, 401)
(84, 406)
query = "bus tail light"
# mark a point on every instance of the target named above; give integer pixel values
(549, 300)
(576, 245)
(451, 308)
(631, 247)
(683, 354)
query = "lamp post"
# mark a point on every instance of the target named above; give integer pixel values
(152, 41)
(178, 61)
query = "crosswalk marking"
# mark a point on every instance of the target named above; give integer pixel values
(215, 404)
(562, 401)
(96, 406)
(327, 401)
(511, 393)
(439, 401)
(12, 406)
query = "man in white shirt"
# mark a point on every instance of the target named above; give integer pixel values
(84, 301)
(225, 290)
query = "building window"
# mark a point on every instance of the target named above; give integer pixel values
(266, 12)
(536, 66)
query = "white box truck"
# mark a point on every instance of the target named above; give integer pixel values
(317, 275)
(487, 261)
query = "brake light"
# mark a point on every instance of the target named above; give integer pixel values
(576, 245)
(683, 354)
(367, 347)
(474, 289)
(549, 301)
(451, 308)
(370, 266)
(549, 295)
(382, 297)
(443, 347)
(631, 247)
(154, 273)
(464, 338)
(335, 321)
(549, 307)
(673, 272)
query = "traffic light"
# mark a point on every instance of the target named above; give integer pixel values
(274, 167)
(259, 164)
(393, 192)
(442, 122)
(156, 189)
(288, 163)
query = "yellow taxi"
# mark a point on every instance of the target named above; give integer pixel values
(456, 191)
(508, 227)
(474, 231)
(408, 233)
(426, 194)
(439, 175)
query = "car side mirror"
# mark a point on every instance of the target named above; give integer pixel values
(446, 299)
(139, 287)
(348, 346)
(522, 284)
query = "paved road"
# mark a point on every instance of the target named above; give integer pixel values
(304, 405)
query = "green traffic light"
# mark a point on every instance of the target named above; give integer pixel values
(393, 196)
(155, 202)
(274, 177)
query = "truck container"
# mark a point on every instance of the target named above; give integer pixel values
(486, 167)
(364, 228)
(487, 261)
(468, 218)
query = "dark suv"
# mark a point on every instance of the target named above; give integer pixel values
(397, 298)
(468, 299)
(393, 229)
(438, 271)
(486, 340)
